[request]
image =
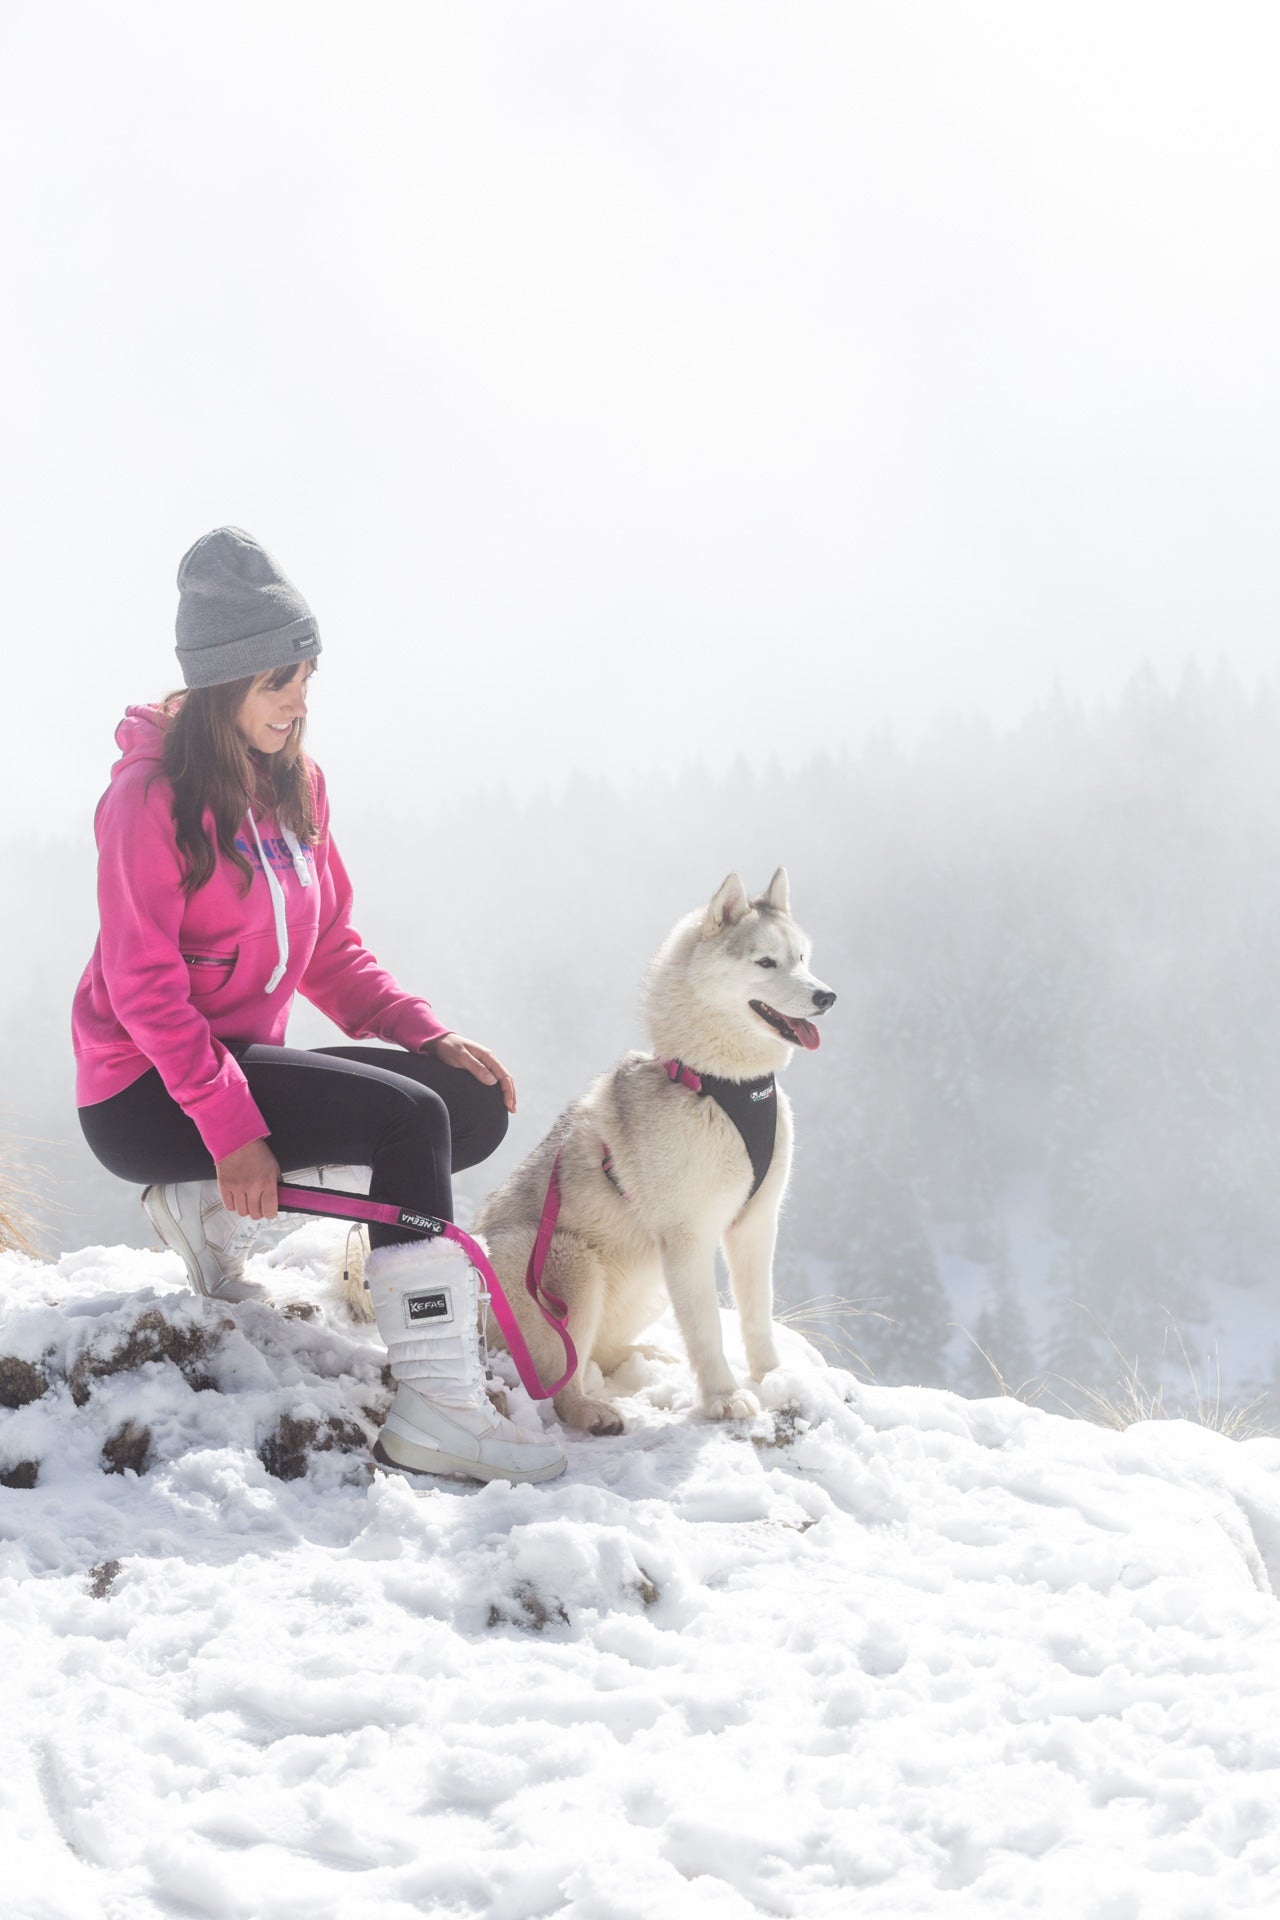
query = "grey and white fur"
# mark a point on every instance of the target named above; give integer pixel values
(731, 994)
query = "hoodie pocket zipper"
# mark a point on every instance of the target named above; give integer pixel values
(209, 972)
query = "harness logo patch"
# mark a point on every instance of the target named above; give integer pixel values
(762, 1093)
(420, 1308)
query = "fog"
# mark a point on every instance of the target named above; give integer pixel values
(1042, 1133)
(710, 435)
(632, 383)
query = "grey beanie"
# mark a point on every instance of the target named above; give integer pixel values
(237, 614)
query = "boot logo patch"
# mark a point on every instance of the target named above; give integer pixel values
(421, 1307)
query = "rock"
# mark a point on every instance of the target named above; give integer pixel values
(102, 1578)
(289, 1446)
(20, 1381)
(151, 1337)
(128, 1450)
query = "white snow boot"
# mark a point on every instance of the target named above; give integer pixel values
(343, 1179)
(427, 1301)
(190, 1218)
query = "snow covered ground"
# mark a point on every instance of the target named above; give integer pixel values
(884, 1653)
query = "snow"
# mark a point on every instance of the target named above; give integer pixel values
(884, 1652)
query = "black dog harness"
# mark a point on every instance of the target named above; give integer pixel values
(752, 1105)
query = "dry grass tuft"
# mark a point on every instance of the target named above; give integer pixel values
(1028, 1391)
(19, 1232)
(811, 1317)
(1131, 1400)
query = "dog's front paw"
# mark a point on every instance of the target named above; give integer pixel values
(587, 1415)
(603, 1418)
(735, 1403)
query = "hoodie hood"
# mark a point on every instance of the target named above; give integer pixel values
(140, 737)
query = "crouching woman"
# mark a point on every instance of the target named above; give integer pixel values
(221, 894)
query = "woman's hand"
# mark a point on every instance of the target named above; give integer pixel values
(247, 1181)
(473, 1058)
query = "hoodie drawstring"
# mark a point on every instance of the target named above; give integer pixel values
(303, 872)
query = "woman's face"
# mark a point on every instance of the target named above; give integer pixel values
(270, 708)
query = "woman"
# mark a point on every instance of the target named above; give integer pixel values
(220, 895)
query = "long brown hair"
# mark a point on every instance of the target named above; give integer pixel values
(212, 768)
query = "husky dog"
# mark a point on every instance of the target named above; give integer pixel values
(656, 1171)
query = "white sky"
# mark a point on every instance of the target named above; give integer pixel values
(624, 381)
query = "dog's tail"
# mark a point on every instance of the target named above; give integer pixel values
(349, 1274)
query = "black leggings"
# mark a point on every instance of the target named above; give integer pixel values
(404, 1114)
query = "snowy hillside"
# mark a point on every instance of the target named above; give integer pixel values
(886, 1653)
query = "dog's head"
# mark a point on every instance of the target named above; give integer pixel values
(731, 992)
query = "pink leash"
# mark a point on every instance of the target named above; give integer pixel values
(356, 1206)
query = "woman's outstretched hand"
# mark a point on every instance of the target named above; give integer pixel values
(247, 1181)
(473, 1058)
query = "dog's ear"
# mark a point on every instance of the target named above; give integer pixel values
(777, 895)
(728, 904)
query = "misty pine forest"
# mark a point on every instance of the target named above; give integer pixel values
(1041, 1138)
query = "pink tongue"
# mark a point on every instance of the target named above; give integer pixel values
(807, 1034)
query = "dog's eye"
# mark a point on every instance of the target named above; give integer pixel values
(766, 962)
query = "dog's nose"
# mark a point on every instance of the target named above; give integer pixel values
(824, 999)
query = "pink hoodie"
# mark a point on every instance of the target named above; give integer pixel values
(173, 976)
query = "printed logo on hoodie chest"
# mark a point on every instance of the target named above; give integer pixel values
(277, 851)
